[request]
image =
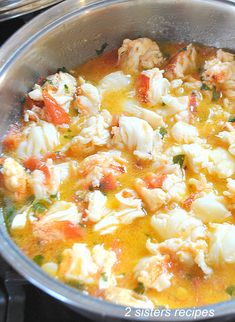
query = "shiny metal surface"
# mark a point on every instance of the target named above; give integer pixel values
(67, 35)
(10, 9)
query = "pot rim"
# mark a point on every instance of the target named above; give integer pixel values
(10, 50)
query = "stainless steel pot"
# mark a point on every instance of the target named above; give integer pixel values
(68, 34)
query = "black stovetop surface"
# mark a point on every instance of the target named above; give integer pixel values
(20, 301)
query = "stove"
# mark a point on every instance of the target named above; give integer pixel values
(20, 301)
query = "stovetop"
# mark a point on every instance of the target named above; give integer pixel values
(20, 301)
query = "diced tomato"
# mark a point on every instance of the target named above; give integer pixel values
(54, 156)
(187, 203)
(154, 181)
(53, 111)
(192, 106)
(109, 182)
(32, 163)
(12, 139)
(115, 120)
(29, 103)
(71, 231)
(142, 88)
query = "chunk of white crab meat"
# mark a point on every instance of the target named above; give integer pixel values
(77, 264)
(141, 53)
(231, 188)
(96, 167)
(153, 198)
(175, 106)
(210, 208)
(228, 138)
(153, 272)
(222, 244)
(220, 72)
(36, 93)
(137, 135)
(61, 86)
(40, 138)
(20, 220)
(197, 156)
(66, 169)
(128, 197)
(154, 119)
(89, 99)
(114, 82)
(62, 211)
(158, 86)
(123, 296)
(43, 187)
(50, 268)
(105, 259)
(186, 252)
(82, 264)
(96, 205)
(174, 184)
(223, 164)
(182, 63)
(14, 176)
(184, 133)
(178, 223)
(95, 130)
(111, 222)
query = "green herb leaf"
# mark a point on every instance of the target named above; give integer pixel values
(231, 119)
(55, 196)
(179, 159)
(205, 87)
(9, 215)
(63, 70)
(215, 94)
(163, 131)
(66, 88)
(101, 50)
(39, 207)
(38, 259)
(139, 288)
(104, 276)
(230, 290)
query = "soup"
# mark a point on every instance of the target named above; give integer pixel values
(119, 179)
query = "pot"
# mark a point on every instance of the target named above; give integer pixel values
(67, 35)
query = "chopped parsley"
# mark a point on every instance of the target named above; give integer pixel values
(215, 94)
(38, 259)
(8, 216)
(102, 48)
(139, 288)
(55, 196)
(63, 70)
(231, 119)
(179, 159)
(205, 87)
(163, 131)
(39, 207)
(230, 290)
(104, 276)
(66, 88)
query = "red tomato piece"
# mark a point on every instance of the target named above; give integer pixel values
(53, 111)
(142, 88)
